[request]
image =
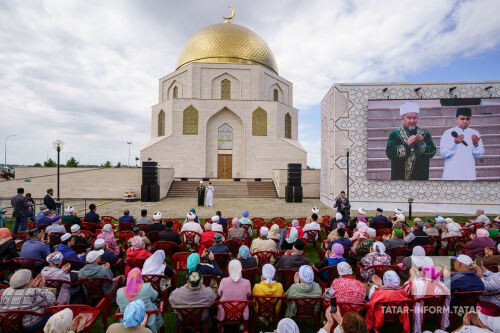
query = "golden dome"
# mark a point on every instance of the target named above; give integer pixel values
(227, 43)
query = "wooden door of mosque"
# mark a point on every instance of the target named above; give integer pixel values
(225, 166)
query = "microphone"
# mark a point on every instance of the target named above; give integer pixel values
(455, 135)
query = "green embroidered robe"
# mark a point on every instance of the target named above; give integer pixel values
(406, 163)
(201, 195)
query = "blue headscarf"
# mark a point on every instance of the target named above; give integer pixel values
(192, 262)
(134, 313)
(292, 236)
(244, 251)
(245, 213)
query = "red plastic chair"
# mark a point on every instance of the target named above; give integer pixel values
(155, 281)
(307, 308)
(12, 320)
(207, 279)
(264, 257)
(398, 310)
(462, 300)
(153, 236)
(437, 303)
(397, 252)
(124, 236)
(132, 263)
(451, 245)
(30, 225)
(250, 274)
(205, 244)
(234, 245)
(160, 311)
(55, 238)
(142, 226)
(56, 283)
(311, 237)
(378, 270)
(383, 232)
(90, 313)
(179, 260)
(332, 275)
(302, 221)
(168, 247)
(266, 306)
(258, 222)
(233, 314)
(287, 276)
(35, 265)
(75, 264)
(122, 226)
(222, 260)
(190, 238)
(108, 219)
(191, 318)
(89, 226)
(88, 234)
(278, 220)
(429, 249)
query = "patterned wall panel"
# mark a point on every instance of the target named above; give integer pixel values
(344, 123)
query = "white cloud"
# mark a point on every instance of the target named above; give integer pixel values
(87, 72)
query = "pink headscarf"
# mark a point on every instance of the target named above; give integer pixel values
(134, 284)
(482, 233)
(337, 251)
(362, 218)
(136, 242)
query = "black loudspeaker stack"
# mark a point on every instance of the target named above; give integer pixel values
(150, 190)
(293, 190)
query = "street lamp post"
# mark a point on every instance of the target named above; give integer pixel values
(136, 161)
(5, 150)
(410, 202)
(348, 152)
(128, 160)
(58, 145)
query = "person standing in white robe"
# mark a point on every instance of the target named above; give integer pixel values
(461, 151)
(209, 199)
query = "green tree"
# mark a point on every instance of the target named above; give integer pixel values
(72, 163)
(119, 165)
(49, 163)
(107, 164)
(37, 165)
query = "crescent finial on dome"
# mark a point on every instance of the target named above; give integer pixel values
(228, 19)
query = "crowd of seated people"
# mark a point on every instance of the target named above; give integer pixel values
(129, 267)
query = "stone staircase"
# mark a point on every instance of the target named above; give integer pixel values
(226, 188)
(381, 122)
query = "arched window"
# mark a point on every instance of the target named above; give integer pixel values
(175, 93)
(259, 122)
(288, 126)
(225, 138)
(225, 89)
(275, 95)
(190, 120)
(161, 123)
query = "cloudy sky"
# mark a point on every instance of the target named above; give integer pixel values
(86, 72)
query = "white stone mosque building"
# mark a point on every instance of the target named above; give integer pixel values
(225, 112)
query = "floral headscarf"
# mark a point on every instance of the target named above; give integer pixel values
(134, 284)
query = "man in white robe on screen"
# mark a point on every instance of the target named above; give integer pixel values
(460, 146)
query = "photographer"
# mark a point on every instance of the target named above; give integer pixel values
(342, 204)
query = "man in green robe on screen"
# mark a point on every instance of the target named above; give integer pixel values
(410, 147)
(201, 194)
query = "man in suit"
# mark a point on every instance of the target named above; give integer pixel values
(49, 201)
(22, 210)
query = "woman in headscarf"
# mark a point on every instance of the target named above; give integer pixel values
(346, 288)
(267, 286)
(210, 268)
(296, 225)
(362, 215)
(287, 325)
(274, 232)
(236, 231)
(234, 288)
(426, 283)
(334, 234)
(55, 271)
(136, 251)
(417, 259)
(332, 258)
(479, 241)
(246, 260)
(63, 322)
(292, 237)
(109, 237)
(450, 230)
(304, 286)
(156, 265)
(134, 317)
(207, 235)
(385, 290)
(359, 234)
(245, 222)
(136, 289)
(377, 256)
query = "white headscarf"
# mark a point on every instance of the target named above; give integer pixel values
(235, 270)
(268, 272)
(59, 322)
(452, 227)
(361, 225)
(379, 247)
(419, 259)
(306, 273)
(107, 228)
(217, 227)
(391, 279)
(287, 325)
(338, 216)
(154, 264)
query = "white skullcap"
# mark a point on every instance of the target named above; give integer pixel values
(362, 211)
(69, 209)
(201, 181)
(93, 255)
(338, 216)
(191, 216)
(217, 227)
(371, 232)
(264, 231)
(398, 211)
(409, 107)
(315, 210)
(464, 259)
(65, 237)
(75, 228)
(215, 218)
(99, 243)
(157, 216)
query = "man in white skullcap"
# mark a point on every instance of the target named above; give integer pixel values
(191, 225)
(157, 225)
(319, 220)
(201, 194)
(410, 147)
(69, 216)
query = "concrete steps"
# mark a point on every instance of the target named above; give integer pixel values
(226, 189)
